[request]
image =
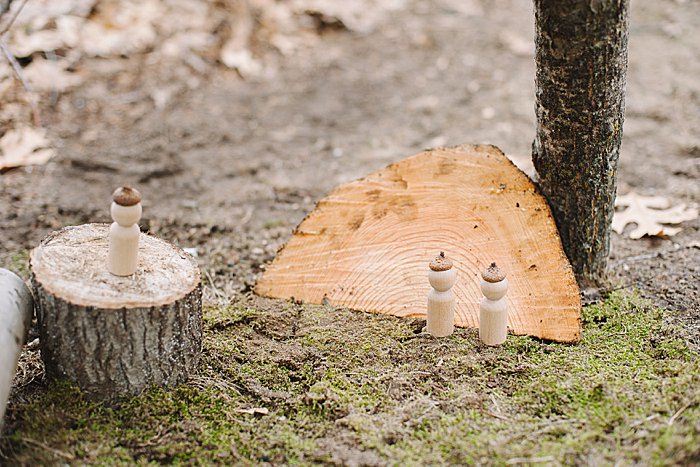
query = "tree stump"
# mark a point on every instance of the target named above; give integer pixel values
(116, 335)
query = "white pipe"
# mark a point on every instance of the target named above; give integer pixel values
(16, 308)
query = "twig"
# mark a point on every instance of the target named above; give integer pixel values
(12, 20)
(648, 419)
(495, 404)
(529, 460)
(23, 79)
(494, 415)
(62, 454)
(678, 414)
(216, 290)
(246, 217)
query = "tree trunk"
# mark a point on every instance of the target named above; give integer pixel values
(116, 335)
(581, 68)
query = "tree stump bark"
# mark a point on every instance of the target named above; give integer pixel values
(116, 335)
(581, 67)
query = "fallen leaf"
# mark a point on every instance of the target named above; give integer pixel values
(40, 12)
(650, 213)
(24, 45)
(127, 28)
(241, 60)
(24, 146)
(361, 16)
(51, 75)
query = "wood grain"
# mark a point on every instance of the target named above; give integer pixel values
(368, 244)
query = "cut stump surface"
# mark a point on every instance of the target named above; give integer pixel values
(368, 244)
(116, 335)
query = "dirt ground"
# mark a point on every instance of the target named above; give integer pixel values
(229, 166)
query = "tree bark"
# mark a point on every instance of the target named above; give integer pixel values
(581, 55)
(116, 335)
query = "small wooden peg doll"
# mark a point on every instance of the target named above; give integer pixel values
(124, 232)
(493, 313)
(441, 300)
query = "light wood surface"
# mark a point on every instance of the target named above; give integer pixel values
(441, 303)
(493, 312)
(366, 245)
(124, 233)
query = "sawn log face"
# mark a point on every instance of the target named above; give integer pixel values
(367, 245)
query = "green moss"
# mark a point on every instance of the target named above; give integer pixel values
(340, 386)
(18, 262)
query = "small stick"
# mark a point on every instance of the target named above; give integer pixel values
(17, 68)
(56, 452)
(494, 415)
(678, 414)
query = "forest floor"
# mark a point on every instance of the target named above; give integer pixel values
(230, 160)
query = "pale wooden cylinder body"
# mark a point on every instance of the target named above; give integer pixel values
(116, 335)
(441, 303)
(493, 313)
(124, 236)
(16, 309)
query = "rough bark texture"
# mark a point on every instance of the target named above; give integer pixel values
(581, 69)
(115, 352)
(108, 349)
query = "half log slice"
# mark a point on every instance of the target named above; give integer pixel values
(367, 245)
(116, 335)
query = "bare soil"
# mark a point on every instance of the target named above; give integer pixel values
(230, 166)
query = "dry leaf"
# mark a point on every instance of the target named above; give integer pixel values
(241, 60)
(125, 29)
(24, 45)
(24, 146)
(41, 12)
(650, 213)
(361, 16)
(51, 75)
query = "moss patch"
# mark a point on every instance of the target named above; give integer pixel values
(286, 383)
(17, 262)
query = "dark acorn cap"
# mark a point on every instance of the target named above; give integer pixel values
(126, 196)
(441, 263)
(493, 274)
